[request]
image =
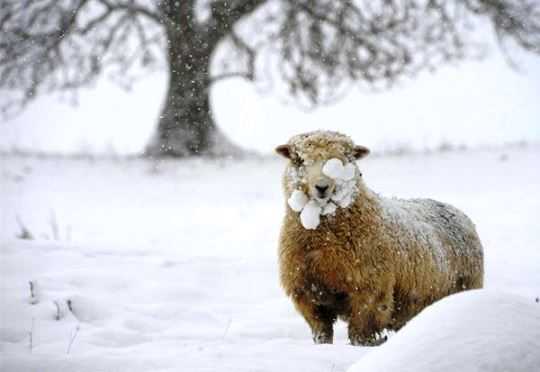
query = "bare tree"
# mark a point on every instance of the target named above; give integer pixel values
(320, 45)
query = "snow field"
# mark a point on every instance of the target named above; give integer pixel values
(172, 266)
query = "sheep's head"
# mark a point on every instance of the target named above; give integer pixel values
(322, 172)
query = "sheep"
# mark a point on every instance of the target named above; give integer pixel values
(371, 261)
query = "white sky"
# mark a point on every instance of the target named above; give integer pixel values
(476, 103)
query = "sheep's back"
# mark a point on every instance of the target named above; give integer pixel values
(436, 242)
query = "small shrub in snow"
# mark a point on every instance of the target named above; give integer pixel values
(62, 309)
(72, 338)
(31, 336)
(35, 292)
(24, 233)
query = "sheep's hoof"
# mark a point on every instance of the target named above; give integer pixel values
(322, 338)
(375, 340)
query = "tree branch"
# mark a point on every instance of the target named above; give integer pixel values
(225, 14)
(131, 7)
(228, 75)
(249, 51)
(46, 46)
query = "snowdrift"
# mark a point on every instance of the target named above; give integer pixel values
(471, 331)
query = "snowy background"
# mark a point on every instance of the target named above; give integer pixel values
(478, 103)
(171, 265)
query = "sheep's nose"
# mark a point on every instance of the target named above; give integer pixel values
(321, 190)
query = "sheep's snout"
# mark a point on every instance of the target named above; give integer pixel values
(321, 189)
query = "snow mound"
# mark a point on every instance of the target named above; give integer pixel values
(471, 331)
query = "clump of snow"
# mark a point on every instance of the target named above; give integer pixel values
(295, 175)
(35, 292)
(477, 330)
(349, 172)
(310, 210)
(329, 209)
(343, 176)
(344, 194)
(298, 200)
(310, 215)
(335, 169)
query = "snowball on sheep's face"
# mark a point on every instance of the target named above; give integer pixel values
(311, 154)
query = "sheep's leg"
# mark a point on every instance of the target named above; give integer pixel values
(370, 315)
(319, 318)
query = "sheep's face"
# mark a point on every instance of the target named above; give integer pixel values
(315, 162)
(318, 186)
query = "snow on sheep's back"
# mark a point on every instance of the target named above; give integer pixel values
(471, 331)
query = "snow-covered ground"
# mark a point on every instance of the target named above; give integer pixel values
(172, 266)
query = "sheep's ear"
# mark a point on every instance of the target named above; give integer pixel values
(360, 152)
(284, 150)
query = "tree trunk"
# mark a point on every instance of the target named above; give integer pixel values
(186, 125)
